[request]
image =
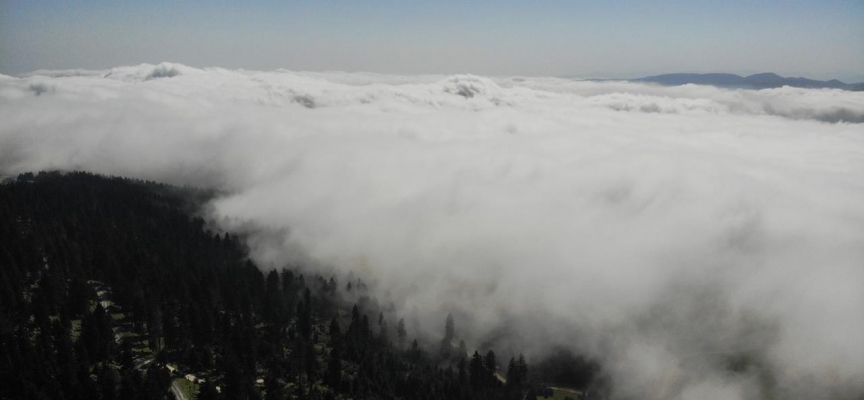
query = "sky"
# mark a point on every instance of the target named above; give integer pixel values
(817, 39)
(662, 231)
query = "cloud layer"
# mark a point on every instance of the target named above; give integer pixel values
(669, 232)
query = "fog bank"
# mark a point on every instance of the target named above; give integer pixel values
(702, 243)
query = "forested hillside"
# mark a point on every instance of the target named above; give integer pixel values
(113, 289)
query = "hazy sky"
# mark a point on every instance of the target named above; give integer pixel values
(818, 39)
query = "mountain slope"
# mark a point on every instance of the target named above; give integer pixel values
(113, 289)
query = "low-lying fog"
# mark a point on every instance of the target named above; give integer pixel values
(661, 230)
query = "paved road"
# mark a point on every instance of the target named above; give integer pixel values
(141, 363)
(568, 390)
(178, 391)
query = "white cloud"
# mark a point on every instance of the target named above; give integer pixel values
(662, 230)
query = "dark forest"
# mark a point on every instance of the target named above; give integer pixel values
(112, 288)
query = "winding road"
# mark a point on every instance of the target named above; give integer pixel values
(178, 391)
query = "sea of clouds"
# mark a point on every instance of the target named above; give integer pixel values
(668, 232)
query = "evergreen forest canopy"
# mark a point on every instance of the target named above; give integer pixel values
(114, 289)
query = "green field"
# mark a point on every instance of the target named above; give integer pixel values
(559, 395)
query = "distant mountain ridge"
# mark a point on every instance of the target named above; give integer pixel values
(766, 80)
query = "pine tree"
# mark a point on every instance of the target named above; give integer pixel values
(382, 330)
(522, 368)
(156, 382)
(273, 387)
(334, 368)
(131, 385)
(401, 333)
(490, 363)
(311, 362)
(478, 371)
(517, 373)
(107, 379)
(127, 360)
(304, 316)
(335, 332)
(512, 374)
(207, 392)
(449, 332)
(273, 300)
(415, 353)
